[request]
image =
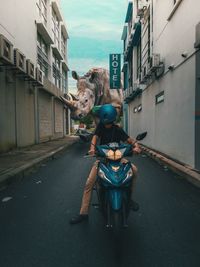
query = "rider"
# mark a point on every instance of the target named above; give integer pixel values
(107, 131)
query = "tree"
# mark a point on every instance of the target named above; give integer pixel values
(88, 120)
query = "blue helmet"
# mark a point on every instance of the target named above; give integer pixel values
(107, 114)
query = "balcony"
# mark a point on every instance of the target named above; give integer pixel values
(132, 92)
(57, 52)
(64, 31)
(56, 9)
(133, 38)
(64, 65)
(51, 88)
(41, 28)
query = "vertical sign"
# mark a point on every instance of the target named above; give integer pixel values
(115, 71)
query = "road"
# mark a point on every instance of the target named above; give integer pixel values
(34, 228)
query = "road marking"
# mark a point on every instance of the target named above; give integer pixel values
(6, 199)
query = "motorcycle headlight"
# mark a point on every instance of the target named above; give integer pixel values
(128, 175)
(110, 154)
(118, 154)
(114, 155)
(102, 174)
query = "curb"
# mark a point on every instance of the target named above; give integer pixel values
(184, 171)
(21, 171)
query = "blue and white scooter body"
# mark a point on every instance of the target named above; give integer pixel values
(115, 176)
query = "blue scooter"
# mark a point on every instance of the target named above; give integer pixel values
(114, 180)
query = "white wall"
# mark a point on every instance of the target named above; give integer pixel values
(171, 124)
(17, 23)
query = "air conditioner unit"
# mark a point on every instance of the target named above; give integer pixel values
(19, 60)
(142, 4)
(6, 50)
(155, 61)
(149, 68)
(144, 73)
(39, 76)
(136, 84)
(30, 69)
(142, 7)
(131, 90)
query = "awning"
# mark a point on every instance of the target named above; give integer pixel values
(125, 66)
(129, 11)
(124, 33)
(137, 34)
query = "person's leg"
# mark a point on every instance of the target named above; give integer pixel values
(87, 194)
(83, 215)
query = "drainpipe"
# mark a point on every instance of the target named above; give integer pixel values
(36, 115)
(15, 100)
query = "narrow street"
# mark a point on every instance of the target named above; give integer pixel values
(34, 228)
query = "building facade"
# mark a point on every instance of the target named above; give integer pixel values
(161, 70)
(33, 72)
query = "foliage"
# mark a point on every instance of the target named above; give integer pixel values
(88, 120)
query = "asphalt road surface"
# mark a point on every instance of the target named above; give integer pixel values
(35, 214)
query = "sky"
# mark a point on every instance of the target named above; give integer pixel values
(95, 29)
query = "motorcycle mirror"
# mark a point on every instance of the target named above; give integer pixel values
(141, 136)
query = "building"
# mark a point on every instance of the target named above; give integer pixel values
(33, 72)
(161, 76)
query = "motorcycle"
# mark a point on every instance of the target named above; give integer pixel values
(114, 180)
(84, 135)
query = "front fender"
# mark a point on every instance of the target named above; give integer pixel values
(115, 198)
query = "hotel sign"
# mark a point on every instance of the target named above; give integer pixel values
(115, 71)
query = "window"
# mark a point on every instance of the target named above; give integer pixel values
(63, 46)
(160, 97)
(138, 60)
(42, 55)
(42, 10)
(56, 71)
(64, 81)
(55, 28)
(146, 43)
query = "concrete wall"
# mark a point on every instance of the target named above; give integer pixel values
(45, 105)
(29, 113)
(171, 124)
(25, 117)
(59, 118)
(17, 24)
(8, 129)
(197, 113)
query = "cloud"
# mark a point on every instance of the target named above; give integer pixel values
(95, 28)
(85, 47)
(101, 30)
(82, 65)
(101, 18)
